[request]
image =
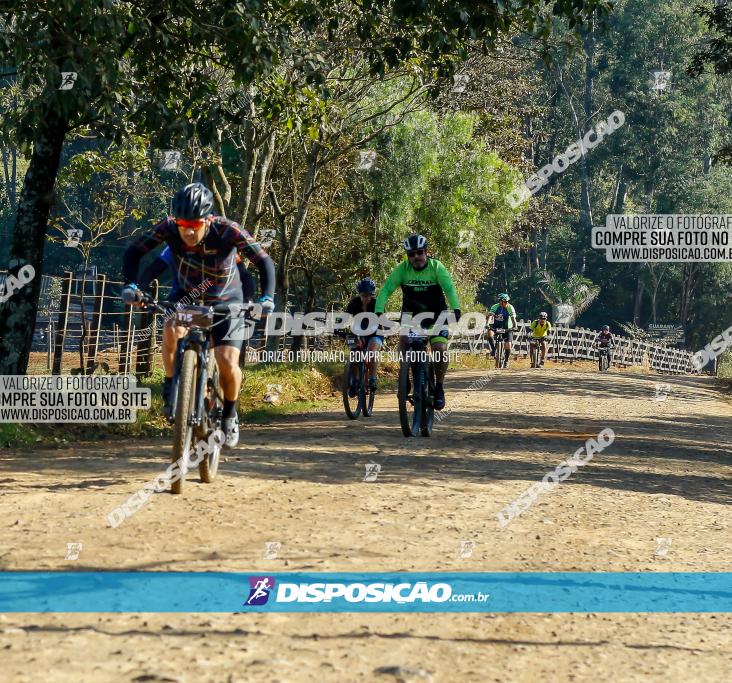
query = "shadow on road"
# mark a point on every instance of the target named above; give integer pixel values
(659, 454)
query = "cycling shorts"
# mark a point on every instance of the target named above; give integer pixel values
(507, 335)
(225, 331)
(366, 339)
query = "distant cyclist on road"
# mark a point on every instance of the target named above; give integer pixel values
(425, 282)
(502, 316)
(605, 339)
(365, 302)
(204, 250)
(540, 328)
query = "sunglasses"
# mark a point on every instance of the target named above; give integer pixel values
(195, 223)
(415, 252)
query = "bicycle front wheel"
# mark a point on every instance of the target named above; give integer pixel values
(368, 401)
(428, 402)
(353, 378)
(183, 432)
(410, 400)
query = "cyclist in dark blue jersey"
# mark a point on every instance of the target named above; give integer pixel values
(204, 250)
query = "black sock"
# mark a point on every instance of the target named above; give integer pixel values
(229, 409)
(166, 386)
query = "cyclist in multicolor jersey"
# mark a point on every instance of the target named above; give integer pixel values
(425, 282)
(365, 302)
(502, 316)
(164, 260)
(204, 249)
(539, 331)
(605, 339)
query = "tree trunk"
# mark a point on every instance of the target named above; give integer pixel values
(585, 221)
(544, 245)
(258, 190)
(688, 281)
(638, 298)
(18, 315)
(10, 163)
(289, 242)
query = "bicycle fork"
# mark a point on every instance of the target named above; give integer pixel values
(201, 379)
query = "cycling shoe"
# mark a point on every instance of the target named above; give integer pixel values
(439, 397)
(231, 432)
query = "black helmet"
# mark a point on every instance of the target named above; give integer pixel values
(193, 201)
(606, 328)
(415, 242)
(366, 286)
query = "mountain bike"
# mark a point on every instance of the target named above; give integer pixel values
(534, 348)
(499, 339)
(354, 381)
(603, 359)
(196, 399)
(416, 391)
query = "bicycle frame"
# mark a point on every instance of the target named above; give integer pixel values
(198, 339)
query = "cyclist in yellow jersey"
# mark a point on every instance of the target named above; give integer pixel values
(540, 330)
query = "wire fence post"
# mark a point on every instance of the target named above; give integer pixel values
(63, 316)
(49, 344)
(96, 324)
(126, 346)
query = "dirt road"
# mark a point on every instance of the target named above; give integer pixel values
(667, 476)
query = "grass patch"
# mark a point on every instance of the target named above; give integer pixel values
(299, 388)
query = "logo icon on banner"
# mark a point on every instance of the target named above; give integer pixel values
(466, 549)
(460, 82)
(662, 391)
(372, 471)
(366, 160)
(273, 548)
(72, 551)
(259, 590)
(73, 237)
(68, 78)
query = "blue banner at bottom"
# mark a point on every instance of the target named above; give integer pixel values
(366, 592)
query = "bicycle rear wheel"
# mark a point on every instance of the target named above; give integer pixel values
(353, 404)
(183, 432)
(410, 403)
(212, 405)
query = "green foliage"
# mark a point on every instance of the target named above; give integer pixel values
(437, 177)
(576, 290)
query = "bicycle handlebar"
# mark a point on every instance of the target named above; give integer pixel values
(168, 307)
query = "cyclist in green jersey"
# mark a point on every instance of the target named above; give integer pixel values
(424, 282)
(502, 316)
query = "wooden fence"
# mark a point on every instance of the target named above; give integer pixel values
(105, 336)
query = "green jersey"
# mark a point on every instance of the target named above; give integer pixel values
(424, 290)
